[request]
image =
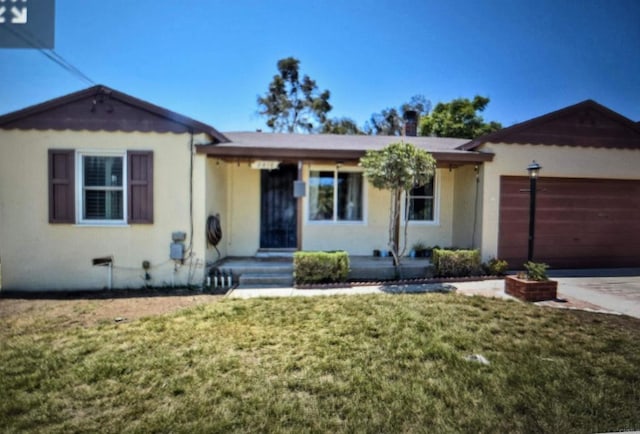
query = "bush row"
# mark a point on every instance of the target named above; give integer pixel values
(320, 267)
(464, 263)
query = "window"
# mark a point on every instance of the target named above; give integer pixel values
(335, 196)
(421, 203)
(103, 194)
(100, 187)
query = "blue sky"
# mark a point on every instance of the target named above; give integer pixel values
(210, 59)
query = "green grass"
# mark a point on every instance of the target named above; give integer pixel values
(380, 363)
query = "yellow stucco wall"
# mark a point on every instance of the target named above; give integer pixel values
(243, 200)
(216, 189)
(242, 225)
(467, 207)
(556, 161)
(37, 255)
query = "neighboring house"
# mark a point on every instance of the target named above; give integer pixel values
(99, 174)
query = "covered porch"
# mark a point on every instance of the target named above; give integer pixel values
(249, 272)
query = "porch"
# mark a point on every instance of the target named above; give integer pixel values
(251, 272)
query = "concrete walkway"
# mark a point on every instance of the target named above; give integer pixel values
(606, 291)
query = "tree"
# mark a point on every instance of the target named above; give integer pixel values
(292, 104)
(340, 126)
(398, 167)
(390, 121)
(458, 118)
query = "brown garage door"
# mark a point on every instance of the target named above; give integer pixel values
(580, 223)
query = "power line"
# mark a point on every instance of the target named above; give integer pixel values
(51, 55)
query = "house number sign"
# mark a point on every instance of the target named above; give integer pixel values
(265, 165)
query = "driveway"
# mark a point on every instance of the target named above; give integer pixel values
(615, 290)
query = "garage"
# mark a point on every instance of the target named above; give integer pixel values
(580, 223)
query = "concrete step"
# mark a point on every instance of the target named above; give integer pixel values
(244, 266)
(275, 253)
(253, 279)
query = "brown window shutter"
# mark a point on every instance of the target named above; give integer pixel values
(62, 202)
(140, 168)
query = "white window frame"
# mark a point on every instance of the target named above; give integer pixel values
(80, 154)
(436, 206)
(334, 220)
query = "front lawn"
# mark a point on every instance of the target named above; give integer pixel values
(378, 363)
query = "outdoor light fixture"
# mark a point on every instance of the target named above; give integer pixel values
(534, 171)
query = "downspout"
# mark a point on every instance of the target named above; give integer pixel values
(190, 193)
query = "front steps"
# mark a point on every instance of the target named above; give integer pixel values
(270, 272)
(277, 271)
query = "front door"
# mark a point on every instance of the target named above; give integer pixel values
(278, 208)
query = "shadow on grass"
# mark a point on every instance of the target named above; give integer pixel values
(395, 288)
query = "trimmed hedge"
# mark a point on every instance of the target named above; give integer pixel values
(320, 267)
(456, 263)
(496, 267)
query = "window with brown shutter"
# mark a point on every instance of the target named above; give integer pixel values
(140, 185)
(61, 186)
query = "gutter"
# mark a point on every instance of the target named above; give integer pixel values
(248, 153)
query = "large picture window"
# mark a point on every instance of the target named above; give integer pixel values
(422, 203)
(335, 196)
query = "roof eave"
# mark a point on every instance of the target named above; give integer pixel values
(503, 135)
(344, 155)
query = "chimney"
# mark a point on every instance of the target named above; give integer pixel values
(410, 123)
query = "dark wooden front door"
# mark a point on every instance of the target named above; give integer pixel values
(278, 208)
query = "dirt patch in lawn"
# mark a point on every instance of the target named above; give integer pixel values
(91, 309)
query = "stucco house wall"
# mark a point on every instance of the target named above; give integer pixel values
(467, 207)
(217, 196)
(38, 255)
(241, 227)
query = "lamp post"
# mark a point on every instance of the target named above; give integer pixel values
(534, 171)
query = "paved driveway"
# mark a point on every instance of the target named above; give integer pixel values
(612, 290)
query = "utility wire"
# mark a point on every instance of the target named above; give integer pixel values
(50, 54)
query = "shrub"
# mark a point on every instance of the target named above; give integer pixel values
(456, 263)
(495, 267)
(320, 267)
(536, 271)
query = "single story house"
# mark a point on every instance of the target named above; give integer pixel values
(99, 189)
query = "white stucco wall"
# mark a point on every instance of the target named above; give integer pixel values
(37, 255)
(556, 161)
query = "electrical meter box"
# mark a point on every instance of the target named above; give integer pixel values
(177, 251)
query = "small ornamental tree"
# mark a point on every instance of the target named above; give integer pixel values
(398, 167)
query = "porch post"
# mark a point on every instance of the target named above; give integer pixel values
(300, 210)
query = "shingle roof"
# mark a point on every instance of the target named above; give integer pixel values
(333, 146)
(337, 141)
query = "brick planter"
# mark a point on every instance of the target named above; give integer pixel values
(529, 290)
